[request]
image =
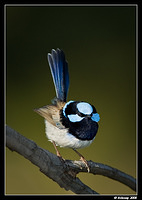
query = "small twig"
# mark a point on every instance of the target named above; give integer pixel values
(104, 170)
(62, 173)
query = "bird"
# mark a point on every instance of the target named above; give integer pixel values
(69, 124)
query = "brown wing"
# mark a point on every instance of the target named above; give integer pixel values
(51, 113)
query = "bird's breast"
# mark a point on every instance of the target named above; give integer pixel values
(63, 138)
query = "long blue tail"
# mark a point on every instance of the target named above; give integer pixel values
(59, 70)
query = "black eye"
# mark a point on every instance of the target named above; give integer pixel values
(81, 114)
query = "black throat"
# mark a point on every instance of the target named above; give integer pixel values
(86, 129)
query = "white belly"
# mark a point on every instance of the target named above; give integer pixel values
(64, 139)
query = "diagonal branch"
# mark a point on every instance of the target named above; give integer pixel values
(63, 173)
(48, 163)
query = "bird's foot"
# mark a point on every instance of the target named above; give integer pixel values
(83, 160)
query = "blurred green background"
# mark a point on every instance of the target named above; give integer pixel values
(100, 47)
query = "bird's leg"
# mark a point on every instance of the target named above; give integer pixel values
(83, 160)
(57, 152)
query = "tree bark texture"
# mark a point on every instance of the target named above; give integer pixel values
(63, 172)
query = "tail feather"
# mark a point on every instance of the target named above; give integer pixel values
(59, 70)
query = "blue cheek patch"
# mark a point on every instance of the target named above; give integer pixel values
(75, 118)
(95, 117)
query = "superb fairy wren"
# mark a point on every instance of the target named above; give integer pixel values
(71, 124)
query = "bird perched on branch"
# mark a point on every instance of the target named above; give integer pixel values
(71, 124)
